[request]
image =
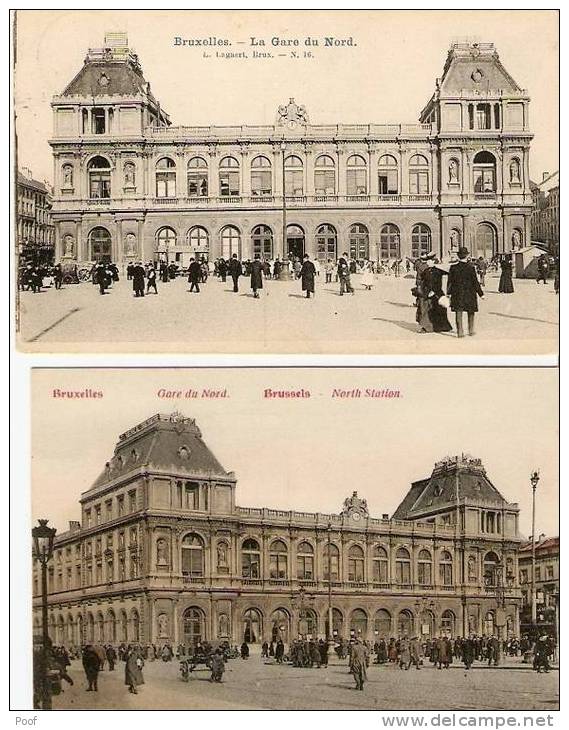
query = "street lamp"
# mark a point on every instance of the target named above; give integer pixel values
(534, 479)
(284, 274)
(43, 537)
(498, 583)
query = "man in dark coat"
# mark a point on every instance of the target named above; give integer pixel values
(111, 656)
(236, 270)
(222, 268)
(542, 268)
(57, 276)
(468, 652)
(463, 287)
(138, 275)
(151, 279)
(194, 275)
(133, 676)
(91, 665)
(307, 274)
(101, 277)
(344, 275)
(279, 651)
(256, 275)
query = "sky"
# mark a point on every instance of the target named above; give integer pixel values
(309, 454)
(387, 76)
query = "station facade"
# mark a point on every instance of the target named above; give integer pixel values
(131, 186)
(163, 554)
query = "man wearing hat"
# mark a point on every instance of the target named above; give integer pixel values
(463, 288)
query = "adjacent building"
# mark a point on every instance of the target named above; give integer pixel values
(546, 582)
(35, 230)
(131, 185)
(163, 553)
(545, 215)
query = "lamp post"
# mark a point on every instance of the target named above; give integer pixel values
(284, 274)
(330, 633)
(534, 479)
(497, 583)
(43, 537)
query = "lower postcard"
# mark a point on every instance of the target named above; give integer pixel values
(295, 538)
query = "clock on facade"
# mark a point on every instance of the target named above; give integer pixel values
(356, 516)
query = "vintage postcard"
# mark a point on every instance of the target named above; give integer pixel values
(243, 171)
(332, 539)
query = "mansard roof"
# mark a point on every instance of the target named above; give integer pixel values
(476, 67)
(458, 477)
(170, 443)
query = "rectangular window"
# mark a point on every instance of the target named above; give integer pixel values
(424, 574)
(380, 571)
(120, 505)
(538, 574)
(305, 567)
(549, 572)
(356, 571)
(99, 574)
(68, 581)
(325, 182)
(192, 496)
(261, 183)
(132, 501)
(109, 509)
(251, 566)
(483, 116)
(87, 518)
(122, 572)
(403, 573)
(445, 574)
(356, 182)
(523, 576)
(165, 184)
(98, 121)
(99, 185)
(419, 183)
(294, 183)
(98, 514)
(192, 562)
(334, 567)
(197, 185)
(388, 183)
(78, 576)
(484, 180)
(229, 184)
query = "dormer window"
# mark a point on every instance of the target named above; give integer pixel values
(438, 490)
(184, 453)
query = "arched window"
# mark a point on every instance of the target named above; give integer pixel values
(305, 561)
(331, 562)
(261, 177)
(448, 620)
(100, 244)
(419, 175)
(166, 239)
(356, 564)
(484, 173)
(356, 175)
(337, 624)
(445, 568)
(123, 627)
(252, 625)
(358, 623)
(324, 176)
(251, 559)
(380, 565)
(424, 568)
(197, 178)
(403, 567)
(326, 247)
(491, 567)
(193, 626)
(294, 176)
(165, 178)
(193, 555)
(278, 559)
(295, 241)
(382, 623)
(99, 177)
(262, 240)
(309, 623)
(135, 624)
(230, 242)
(359, 242)
(198, 240)
(405, 623)
(280, 625)
(228, 177)
(389, 242)
(388, 177)
(485, 241)
(420, 240)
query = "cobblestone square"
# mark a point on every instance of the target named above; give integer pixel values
(256, 685)
(380, 321)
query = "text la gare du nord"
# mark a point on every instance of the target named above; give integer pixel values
(275, 42)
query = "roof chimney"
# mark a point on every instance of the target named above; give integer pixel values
(74, 525)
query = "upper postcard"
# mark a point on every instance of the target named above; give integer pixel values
(287, 182)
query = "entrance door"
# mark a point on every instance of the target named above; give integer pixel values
(295, 242)
(193, 626)
(485, 241)
(101, 245)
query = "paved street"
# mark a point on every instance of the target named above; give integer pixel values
(376, 322)
(253, 684)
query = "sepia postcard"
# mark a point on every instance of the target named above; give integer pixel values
(241, 171)
(273, 538)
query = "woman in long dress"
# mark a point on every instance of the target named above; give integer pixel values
(506, 285)
(367, 277)
(133, 676)
(431, 315)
